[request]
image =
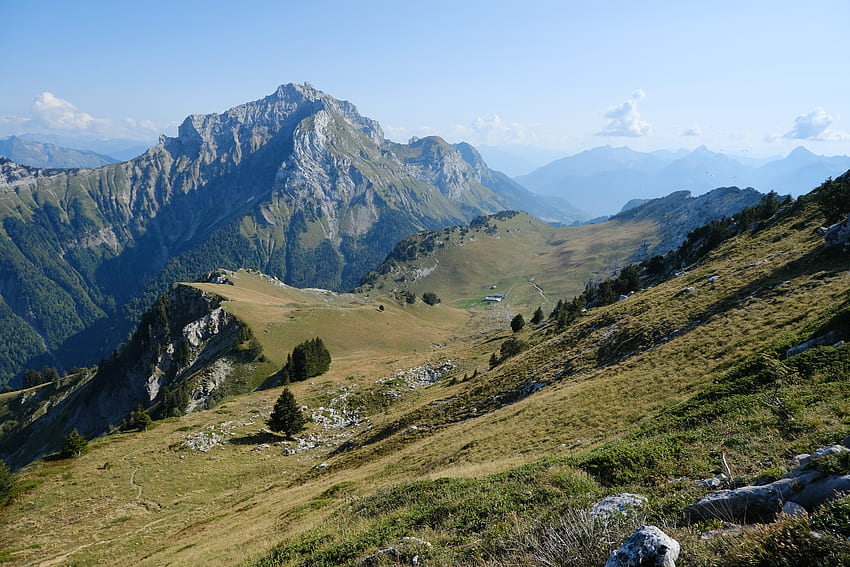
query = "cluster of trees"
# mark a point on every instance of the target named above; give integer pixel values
(430, 298)
(308, 359)
(834, 198)
(33, 378)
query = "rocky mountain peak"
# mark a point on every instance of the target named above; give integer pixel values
(247, 127)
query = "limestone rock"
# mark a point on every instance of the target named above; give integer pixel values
(837, 234)
(646, 547)
(617, 504)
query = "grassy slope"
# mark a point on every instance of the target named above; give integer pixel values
(611, 375)
(532, 262)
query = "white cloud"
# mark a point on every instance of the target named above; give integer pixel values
(816, 125)
(496, 132)
(59, 114)
(624, 120)
(693, 131)
(53, 115)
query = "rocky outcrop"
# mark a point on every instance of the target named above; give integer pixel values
(837, 235)
(179, 358)
(804, 485)
(646, 547)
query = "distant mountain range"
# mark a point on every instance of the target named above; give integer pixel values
(117, 148)
(46, 155)
(600, 181)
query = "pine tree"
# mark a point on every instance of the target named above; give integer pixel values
(73, 445)
(537, 318)
(286, 417)
(517, 323)
(139, 419)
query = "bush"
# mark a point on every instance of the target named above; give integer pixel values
(517, 323)
(789, 543)
(139, 419)
(834, 516)
(73, 445)
(430, 298)
(511, 347)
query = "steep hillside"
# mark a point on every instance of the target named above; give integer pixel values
(297, 184)
(535, 264)
(467, 453)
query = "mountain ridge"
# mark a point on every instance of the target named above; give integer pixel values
(600, 180)
(47, 155)
(297, 184)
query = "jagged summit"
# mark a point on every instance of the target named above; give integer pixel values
(248, 126)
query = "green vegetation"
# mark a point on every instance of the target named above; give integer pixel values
(7, 483)
(517, 323)
(286, 417)
(501, 468)
(430, 298)
(73, 445)
(139, 419)
(308, 359)
(537, 317)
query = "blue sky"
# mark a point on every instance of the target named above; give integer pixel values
(754, 78)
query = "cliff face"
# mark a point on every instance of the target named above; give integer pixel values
(180, 359)
(297, 184)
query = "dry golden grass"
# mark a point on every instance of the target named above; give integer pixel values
(135, 499)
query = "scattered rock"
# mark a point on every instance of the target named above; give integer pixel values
(714, 482)
(646, 547)
(713, 279)
(617, 504)
(685, 290)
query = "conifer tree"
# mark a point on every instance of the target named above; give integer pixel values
(537, 317)
(286, 417)
(73, 445)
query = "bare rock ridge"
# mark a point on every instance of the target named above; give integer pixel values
(178, 360)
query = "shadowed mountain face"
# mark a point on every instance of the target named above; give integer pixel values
(298, 184)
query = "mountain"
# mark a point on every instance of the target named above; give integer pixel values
(800, 168)
(601, 180)
(297, 184)
(38, 154)
(515, 159)
(441, 436)
(535, 263)
(116, 148)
